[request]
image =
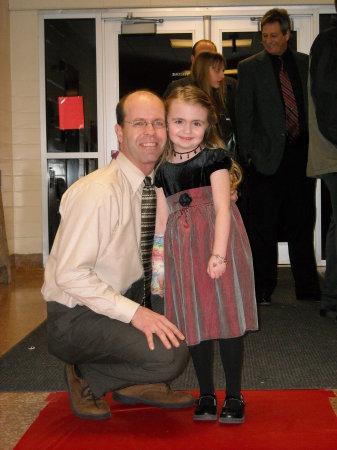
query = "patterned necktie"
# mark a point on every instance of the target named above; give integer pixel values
(290, 105)
(148, 219)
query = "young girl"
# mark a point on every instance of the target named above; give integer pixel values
(209, 285)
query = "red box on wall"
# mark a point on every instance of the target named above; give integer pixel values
(71, 115)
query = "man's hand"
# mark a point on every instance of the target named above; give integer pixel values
(149, 322)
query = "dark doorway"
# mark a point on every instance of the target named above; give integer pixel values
(152, 61)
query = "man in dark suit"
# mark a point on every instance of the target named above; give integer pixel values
(322, 160)
(273, 138)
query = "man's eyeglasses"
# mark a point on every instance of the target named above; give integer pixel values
(142, 124)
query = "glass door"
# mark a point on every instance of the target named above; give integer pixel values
(71, 135)
(151, 61)
(238, 38)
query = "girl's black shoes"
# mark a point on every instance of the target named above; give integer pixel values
(233, 410)
(206, 408)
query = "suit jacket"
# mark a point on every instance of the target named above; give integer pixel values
(260, 111)
(322, 156)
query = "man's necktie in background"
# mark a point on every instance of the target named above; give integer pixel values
(290, 105)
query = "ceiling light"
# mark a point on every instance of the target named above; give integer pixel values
(238, 42)
(181, 43)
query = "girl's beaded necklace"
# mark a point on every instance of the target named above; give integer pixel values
(175, 153)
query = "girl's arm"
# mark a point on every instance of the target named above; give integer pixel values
(221, 188)
(157, 283)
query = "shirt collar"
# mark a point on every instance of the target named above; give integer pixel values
(134, 175)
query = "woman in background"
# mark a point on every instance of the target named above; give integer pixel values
(208, 75)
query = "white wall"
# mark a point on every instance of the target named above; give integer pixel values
(25, 132)
(101, 4)
(6, 165)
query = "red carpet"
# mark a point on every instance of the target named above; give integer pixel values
(275, 420)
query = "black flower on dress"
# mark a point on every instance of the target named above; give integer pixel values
(185, 199)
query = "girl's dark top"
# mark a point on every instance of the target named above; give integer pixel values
(192, 173)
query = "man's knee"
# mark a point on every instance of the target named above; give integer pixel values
(173, 361)
(182, 356)
(59, 347)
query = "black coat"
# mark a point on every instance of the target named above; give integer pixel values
(323, 76)
(260, 111)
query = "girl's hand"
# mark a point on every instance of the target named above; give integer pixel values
(158, 287)
(157, 282)
(158, 269)
(216, 266)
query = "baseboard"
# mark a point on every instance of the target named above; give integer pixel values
(31, 260)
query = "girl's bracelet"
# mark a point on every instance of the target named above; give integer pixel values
(220, 259)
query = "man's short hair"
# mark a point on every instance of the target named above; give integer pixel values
(203, 41)
(277, 15)
(120, 113)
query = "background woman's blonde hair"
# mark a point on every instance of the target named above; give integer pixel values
(235, 173)
(200, 75)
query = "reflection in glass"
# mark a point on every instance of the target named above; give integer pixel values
(62, 174)
(152, 61)
(70, 70)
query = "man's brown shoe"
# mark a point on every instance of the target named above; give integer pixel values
(82, 401)
(157, 394)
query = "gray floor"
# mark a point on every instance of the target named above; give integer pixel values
(294, 349)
